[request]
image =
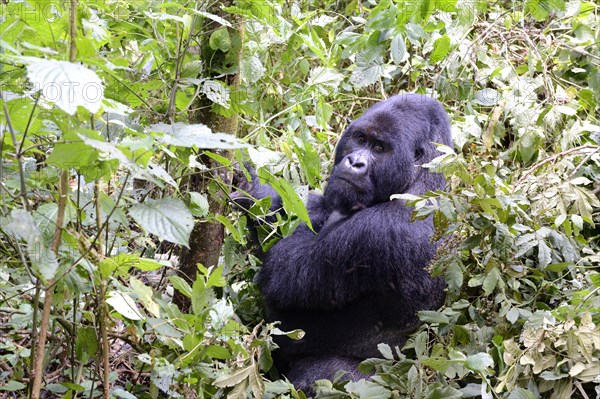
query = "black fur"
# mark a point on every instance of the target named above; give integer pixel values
(361, 279)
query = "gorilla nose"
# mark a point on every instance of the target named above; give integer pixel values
(357, 164)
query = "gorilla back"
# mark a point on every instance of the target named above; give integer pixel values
(361, 279)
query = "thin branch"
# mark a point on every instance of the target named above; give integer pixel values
(23, 193)
(552, 159)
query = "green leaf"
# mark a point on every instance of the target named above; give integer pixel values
(430, 316)
(218, 352)
(66, 84)
(441, 48)
(167, 218)
(144, 295)
(521, 393)
(86, 345)
(479, 362)
(444, 393)
(121, 393)
(122, 303)
(252, 69)
(544, 254)
(163, 327)
(75, 155)
(491, 281)
(487, 97)
(367, 390)
(366, 75)
(220, 40)
(454, 276)
(12, 386)
(22, 226)
(512, 315)
(235, 377)
(291, 201)
(398, 49)
(181, 285)
(386, 351)
(106, 150)
(198, 135)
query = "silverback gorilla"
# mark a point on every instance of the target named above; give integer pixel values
(360, 280)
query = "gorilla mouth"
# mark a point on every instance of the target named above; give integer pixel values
(354, 183)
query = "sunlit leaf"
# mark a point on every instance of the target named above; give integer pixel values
(167, 218)
(66, 84)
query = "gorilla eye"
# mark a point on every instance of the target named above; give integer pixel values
(418, 153)
(362, 138)
(379, 148)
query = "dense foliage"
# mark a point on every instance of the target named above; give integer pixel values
(99, 136)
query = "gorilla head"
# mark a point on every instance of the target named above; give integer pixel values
(382, 151)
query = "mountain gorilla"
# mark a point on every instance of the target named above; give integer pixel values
(360, 280)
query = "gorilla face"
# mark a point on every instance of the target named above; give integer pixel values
(381, 153)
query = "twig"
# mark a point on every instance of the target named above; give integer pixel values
(580, 387)
(104, 315)
(552, 159)
(23, 193)
(488, 136)
(63, 188)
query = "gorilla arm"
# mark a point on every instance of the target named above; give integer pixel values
(374, 250)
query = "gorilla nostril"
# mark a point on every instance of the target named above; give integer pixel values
(356, 164)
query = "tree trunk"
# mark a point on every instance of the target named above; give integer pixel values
(207, 237)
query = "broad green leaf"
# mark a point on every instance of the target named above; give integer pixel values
(86, 344)
(75, 155)
(252, 69)
(386, 351)
(445, 392)
(291, 200)
(430, 316)
(167, 218)
(145, 294)
(441, 48)
(398, 49)
(454, 276)
(367, 390)
(217, 92)
(199, 204)
(184, 135)
(12, 386)
(235, 377)
(121, 393)
(106, 150)
(479, 362)
(218, 352)
(181, 285)
(220, 40)
(366, 75)
(147, 265)
(544, 254)
(327, 80)
(163, 327)
(122, 303)
(65, 84)
(22, 226)
(487, 97)
(491, 281)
